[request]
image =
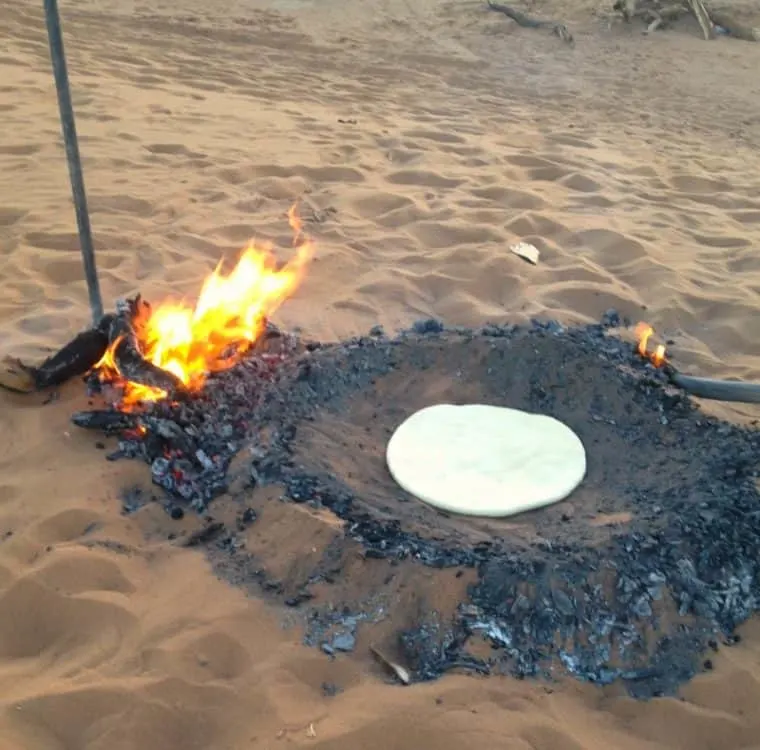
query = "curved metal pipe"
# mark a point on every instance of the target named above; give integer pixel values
(716, 390)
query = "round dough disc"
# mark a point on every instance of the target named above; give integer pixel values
(481, 460)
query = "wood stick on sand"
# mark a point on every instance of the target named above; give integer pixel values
(559, 29)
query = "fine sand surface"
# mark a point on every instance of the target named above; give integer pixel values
(422, 138)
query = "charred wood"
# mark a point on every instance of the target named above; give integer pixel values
(171, 433)
(203, 536)
(105, 420)
(76, 358)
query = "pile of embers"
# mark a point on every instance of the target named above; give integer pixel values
(187, 437)
(642, 605)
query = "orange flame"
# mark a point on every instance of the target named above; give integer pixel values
(644, 332)
(228, 317)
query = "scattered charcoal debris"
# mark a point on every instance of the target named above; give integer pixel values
(330, 689)
(432, 649)
(301, 597)
(132, 499)
(612, 319)
(639, 601)
(332, 629)
(204, 535)
(430, 325)
(245, 519)
(344, 642)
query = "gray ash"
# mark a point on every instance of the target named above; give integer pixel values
(651, 562)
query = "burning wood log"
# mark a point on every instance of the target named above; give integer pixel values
(127, 355)
(116, 334)
(170, 351)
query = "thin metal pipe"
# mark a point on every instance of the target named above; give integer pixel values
(68, 125)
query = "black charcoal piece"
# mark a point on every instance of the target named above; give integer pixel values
(105, 420)
(74, 359)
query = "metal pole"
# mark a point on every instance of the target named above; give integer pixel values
(58, 57)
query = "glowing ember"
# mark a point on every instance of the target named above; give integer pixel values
(644, 332)
(229, 316)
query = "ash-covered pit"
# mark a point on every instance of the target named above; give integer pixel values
(650, 562)
(345, 444)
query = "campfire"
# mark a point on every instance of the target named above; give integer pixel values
(644, 333)
(151, 367)
(159, 352)
(708, 388)
(187, 388)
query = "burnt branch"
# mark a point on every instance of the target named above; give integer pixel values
(107, 421)
(76, 358)
(521, 19)
(124, 333)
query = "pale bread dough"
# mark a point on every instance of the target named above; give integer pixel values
(480, 460)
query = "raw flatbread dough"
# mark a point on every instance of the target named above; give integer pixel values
(483, 460)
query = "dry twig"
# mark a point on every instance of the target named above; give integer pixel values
(558, 29)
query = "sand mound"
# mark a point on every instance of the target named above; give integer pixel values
(422, 141)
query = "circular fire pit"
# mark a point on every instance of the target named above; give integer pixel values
(649, 561)
(547, 374)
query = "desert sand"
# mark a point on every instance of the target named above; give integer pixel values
(421, 139)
